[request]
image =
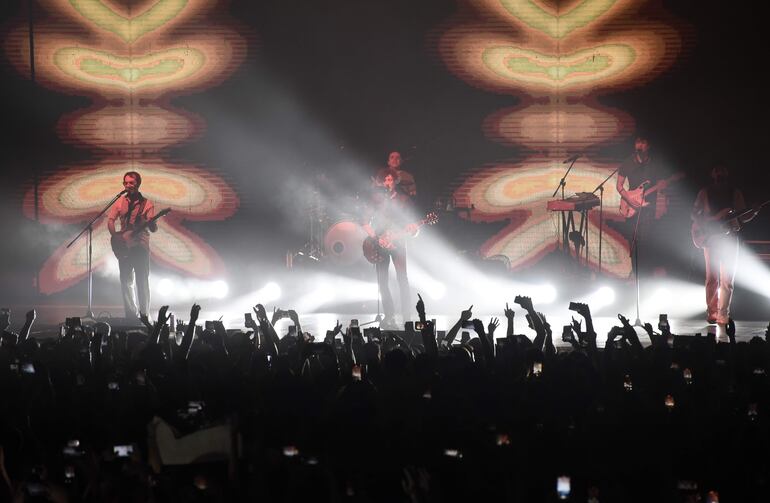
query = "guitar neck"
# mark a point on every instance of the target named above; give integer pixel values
(144, 225)
(749, 211)
(659, 185)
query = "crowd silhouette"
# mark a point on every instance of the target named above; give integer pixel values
(201, 413)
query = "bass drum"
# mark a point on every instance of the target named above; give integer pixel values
(343, 243)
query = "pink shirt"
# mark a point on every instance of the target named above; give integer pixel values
(141, 211)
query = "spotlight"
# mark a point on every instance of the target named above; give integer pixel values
(165, 287)
(603, 297)
(268, 293)
(437, 291)
(219, 289)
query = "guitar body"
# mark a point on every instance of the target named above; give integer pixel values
(639, 195)
(722, 224)
(122, 242)
(375, 253)
(626, 209)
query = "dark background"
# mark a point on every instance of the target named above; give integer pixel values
(332, 83)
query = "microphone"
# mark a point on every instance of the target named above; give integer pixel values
(572, 158)
(124, 191)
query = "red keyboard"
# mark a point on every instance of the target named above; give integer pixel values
(579, 202)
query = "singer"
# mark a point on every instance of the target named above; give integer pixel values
(644, 201)
(134, 210)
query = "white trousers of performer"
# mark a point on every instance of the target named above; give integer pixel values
(721, 256)
(135, 273)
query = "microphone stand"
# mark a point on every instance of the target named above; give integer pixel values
(562, 184)
(635, 254)
(600, 188)
(89, 228)
(378, 318)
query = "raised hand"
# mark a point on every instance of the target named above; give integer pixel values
(624, 320)
(195, 310)
(259, 310)
(338, 328)
(613, 334)
(163, 315)
(648, 328)
(420, 308)
(145, 321)
(577, 326)
(525, 302)
(478, 326)
(581, 308)
(277, 315)
(508, 312)
(493, 324)
(467, 314)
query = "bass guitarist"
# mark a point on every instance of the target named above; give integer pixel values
(389, 212)
(720, 249)
(132, 210)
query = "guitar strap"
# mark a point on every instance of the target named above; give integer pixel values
(129, 222)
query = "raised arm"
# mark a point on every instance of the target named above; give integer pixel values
(452, 333)
(30, 319)
(189, 333)
(509, 315)
(271, 344)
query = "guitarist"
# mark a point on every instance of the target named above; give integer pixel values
(720, 250)
(132, 210)
(639, 168)
(390, 213)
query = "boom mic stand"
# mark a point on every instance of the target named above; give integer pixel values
(600, 188)
(562, 184)
(89, 228)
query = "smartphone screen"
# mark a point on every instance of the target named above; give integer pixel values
(563, 487)
(123, 451)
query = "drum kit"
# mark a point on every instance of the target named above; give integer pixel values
(335, 236)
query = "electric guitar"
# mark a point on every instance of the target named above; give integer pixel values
(721, 224)
(376, 248)
(640, 194)
(124, 240)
